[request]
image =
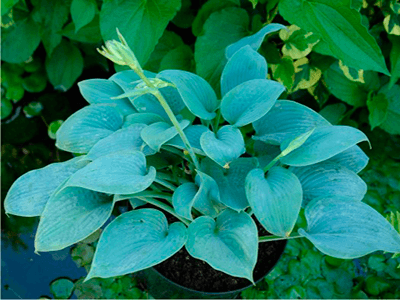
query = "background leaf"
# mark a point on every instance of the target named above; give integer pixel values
(83, 12)
(340, 27)
(141, 23)
(64, 66)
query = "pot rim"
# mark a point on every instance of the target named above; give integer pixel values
(222, 293)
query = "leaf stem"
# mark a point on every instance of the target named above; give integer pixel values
(165, 207)
(273, 162)
(271, 238)
(165, 184)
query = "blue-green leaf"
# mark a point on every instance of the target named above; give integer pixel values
(193, 134)
(183, 199)
(246, 64)
(328, 179)
(275, 199)
(157, 134)
(196, 93)
(231, 181)
(29, 194)
(348, 229)
(142, 118)
(83, 129)
(223, 147)
(100, 91)
(70, 216)
(286, 120)
(134, 241)
(353, 159)
(250, 101)
(229, 244)
(117, 173)
(254, 41)
(123, 139)
(203, 195)
(324, 143)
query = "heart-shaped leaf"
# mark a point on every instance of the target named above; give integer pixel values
(134, 241)
(250, 101)
(83, 129)
(254, 41)
(229, 244)
(70, 216)
(328, 179)
(100, 91)
(142, 118)
(29, 194)
(275, 199)
(122, 172)
(285, 121)
(246, 64)
(353, 159)
(324, 142)
(157, 134)
(193, 134)
(123, 139)
(348, 229)
(196, 93)
(231, 181)
(204, 196)
(223, 147)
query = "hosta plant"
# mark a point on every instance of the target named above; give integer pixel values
(215, 166)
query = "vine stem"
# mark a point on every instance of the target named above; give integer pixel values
(270, 238)
(165, 207)
(170, 114)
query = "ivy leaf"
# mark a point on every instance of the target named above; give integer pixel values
(83, 12)
(275, 199)
(70, 216)
(223, 147)
(134, 241)
(337, 24)
(246, 64)
(284, 72)
(221, 29)
(83, 129)
(20, 41)
(348, 229)
(250, 101)
(122, 172)
(298, 43)
(141, 23)
(392, 122)
(229, 244)
(340, 86)
(29, 194)
(377, 106)
(327, 179)
(64, 66)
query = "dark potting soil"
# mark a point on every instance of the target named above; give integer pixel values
(196, 274)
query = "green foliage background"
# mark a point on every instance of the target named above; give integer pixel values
(341, 58)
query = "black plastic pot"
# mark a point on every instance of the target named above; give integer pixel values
(160, 287)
